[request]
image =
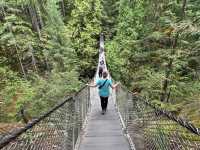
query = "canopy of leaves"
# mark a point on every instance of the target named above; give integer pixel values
(47, 50)
(156, 52)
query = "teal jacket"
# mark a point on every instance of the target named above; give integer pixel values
(105, 90)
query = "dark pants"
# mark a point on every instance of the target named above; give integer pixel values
(100, 74)
(104, 102)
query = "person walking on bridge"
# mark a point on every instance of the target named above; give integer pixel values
(103, 85)
(100, 71)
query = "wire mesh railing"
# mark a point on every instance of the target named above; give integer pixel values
(58, 129)
(151, 128)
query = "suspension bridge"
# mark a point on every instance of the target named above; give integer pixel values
(131, 123)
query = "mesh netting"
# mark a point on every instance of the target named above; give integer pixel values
(59, 129)
(151, 128)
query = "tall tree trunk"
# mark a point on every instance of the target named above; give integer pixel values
(34, 20)
(40, 20)
(183, 8)
(2, 13)
(165, 88)
(166, 81)
(63, 8)
(47, 64)
(20, 62)
(18, 56)
(39, 17)
(23, 115)
(33, 58)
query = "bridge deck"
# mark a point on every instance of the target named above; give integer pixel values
(103, 132)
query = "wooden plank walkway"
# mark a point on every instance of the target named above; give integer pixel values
(103, 132)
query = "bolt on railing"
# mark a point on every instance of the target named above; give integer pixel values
(151, 128)
(57, 129)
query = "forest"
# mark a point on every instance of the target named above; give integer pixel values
(49, 49)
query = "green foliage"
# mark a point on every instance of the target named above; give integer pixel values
(85, 28)
(155, 52)
(15, 93)
(109, 14)
(50, 90)
(47, 47)
(38, 62)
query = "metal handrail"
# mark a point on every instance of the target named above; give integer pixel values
(181, 121)
(16, 133)
(151, 127)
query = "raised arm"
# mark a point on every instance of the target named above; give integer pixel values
(92, 85)
(115, 85)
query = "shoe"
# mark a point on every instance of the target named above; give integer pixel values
(103, 112)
